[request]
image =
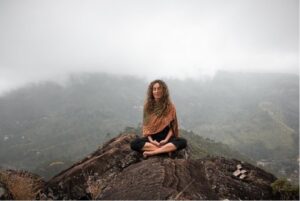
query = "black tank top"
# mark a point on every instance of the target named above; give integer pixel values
(162, 134)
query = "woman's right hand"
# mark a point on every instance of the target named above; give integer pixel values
(155, 143)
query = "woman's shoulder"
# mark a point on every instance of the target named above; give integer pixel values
(172, 106)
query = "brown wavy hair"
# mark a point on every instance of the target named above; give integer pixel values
(161, 107)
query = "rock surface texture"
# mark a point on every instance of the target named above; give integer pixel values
(115, 172)
(19, 185)
(4, 192)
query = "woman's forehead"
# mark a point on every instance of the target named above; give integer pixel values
(156, 85)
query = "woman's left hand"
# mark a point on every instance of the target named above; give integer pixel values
(163, 142)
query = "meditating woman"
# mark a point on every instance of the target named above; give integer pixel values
(160, 125)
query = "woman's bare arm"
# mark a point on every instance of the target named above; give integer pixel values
(170, 133)
(153, 141)
(150, 139)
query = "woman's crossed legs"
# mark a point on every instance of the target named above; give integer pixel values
(151, 149)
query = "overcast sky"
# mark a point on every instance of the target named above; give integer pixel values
(47, 39)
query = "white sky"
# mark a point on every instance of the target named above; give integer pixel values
(47, 39)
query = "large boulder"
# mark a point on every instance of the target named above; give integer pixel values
(115, 172)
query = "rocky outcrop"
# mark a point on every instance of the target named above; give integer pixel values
(114, 171)
(5, 194)
(19, 185)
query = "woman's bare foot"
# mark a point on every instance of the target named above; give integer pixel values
(146, 154)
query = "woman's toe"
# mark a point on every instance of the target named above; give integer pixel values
(145, 154)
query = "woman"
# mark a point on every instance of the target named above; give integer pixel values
(160, 126)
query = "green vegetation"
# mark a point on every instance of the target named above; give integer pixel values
(201, 147)
(255, 114)
(285, 190)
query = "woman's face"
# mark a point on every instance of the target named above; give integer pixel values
(157, 91)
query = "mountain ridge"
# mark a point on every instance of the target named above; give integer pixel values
(92, 108)
(114, 171)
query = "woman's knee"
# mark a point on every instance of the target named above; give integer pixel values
(136, 144)
(182, 143)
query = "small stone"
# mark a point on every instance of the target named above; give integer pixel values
(237, 173)
(242, 176)
(60, 184)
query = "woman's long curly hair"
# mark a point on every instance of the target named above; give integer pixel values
(161, 107)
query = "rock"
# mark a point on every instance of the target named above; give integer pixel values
(4, 192)
(20, 184)
(239, 173)
(78, 181)
(242, 176)
(116, 172)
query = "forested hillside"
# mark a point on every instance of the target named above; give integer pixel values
(48, 125)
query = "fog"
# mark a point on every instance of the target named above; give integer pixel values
(48, 39)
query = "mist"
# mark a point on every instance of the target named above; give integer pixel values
(48, 40)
